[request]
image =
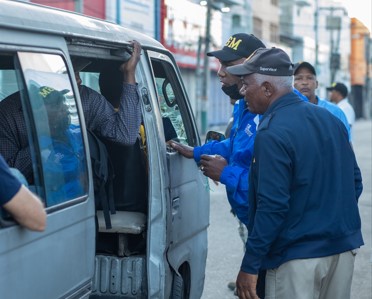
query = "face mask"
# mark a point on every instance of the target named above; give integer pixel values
(232, 91)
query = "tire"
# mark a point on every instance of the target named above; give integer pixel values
(178, 287)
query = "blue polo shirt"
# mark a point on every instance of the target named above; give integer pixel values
(336, 111)
(9, 185)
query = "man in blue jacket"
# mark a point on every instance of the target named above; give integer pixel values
(304, 223)
(229, 161)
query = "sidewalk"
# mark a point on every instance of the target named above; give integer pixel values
(362, 143)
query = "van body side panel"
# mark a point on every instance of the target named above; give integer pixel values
(190, 219)
(42, 264)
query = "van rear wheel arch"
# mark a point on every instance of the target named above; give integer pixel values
(181, 282)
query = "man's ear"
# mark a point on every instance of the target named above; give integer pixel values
(317, 83)
(267, 89)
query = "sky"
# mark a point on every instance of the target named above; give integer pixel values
(362, 10)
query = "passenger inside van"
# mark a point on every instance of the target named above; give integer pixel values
(62, 149)
(99, 116)
(130, 191)
(14, 145)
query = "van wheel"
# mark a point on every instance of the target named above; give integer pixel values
(178, 287)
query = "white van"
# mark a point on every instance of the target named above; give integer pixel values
(157, 245)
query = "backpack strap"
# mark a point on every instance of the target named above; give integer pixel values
(103, 176)
(110, 183)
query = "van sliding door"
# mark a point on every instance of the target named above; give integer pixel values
(57, 263)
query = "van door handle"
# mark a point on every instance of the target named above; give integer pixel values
(146, 99)
(175, 205)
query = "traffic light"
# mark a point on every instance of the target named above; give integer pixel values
(335, 61)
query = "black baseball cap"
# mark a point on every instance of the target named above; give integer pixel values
(240, 45)
(341, 88)
(266, 61)
(52, 96)
(304, 64)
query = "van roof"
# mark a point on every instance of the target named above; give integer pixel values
(38, 18)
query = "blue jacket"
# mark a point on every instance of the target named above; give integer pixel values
(63, 166)
(304, 187)
(237, 150)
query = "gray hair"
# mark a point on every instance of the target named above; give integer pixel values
(281, 82)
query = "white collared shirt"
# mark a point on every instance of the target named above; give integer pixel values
(348, 110)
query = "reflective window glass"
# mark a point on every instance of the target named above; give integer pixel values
(57, 126)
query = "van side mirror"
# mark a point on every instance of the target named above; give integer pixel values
(213, 135)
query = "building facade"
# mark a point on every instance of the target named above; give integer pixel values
(317, 31)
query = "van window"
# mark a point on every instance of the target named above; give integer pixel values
(171, 102)
(58, 128)
(40, 128)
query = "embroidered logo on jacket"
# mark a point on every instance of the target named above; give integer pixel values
(248, 131)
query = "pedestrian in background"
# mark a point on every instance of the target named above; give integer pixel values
(305, 81)
(304, 223)
(338, 95)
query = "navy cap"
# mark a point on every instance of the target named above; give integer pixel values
(304, 64)
(272, 62)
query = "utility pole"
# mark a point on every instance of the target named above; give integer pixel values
(333, 23)
(79, 6)
(316, 21)
(118, 12)
(206, 71)
(368, 87)
(199, 76)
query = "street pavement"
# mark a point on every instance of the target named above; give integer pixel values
(225, 249)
